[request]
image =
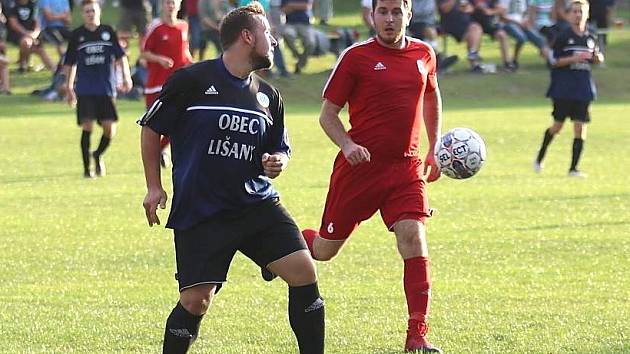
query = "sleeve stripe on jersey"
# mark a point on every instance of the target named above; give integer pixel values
(223, 108)
(152, 27)
(150, 112)
(341, 58)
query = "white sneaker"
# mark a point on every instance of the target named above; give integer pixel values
(538, 166)
(577, 174)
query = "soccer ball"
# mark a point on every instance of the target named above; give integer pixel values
(460, 153)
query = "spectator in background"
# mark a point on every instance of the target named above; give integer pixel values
(298, 25)
(211, 12)
(599, 14)
(56, 20)
(274, 15)
(324, 10)
(486, 13)
(518, 26)
(422, 26)
(456, 21)
(24, 30)
(5, 87)
(276, 19)
(134, 14)
(541, 15)
(366, 15)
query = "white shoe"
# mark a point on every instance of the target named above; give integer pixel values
(577, 174)
(538, 166)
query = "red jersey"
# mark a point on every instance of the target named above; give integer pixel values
(384, 89)
(167, 40)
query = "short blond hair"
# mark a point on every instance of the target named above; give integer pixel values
(237, 20)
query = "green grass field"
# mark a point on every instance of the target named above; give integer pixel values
(522, 263)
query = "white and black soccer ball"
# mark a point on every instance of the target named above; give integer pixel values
(460, 153)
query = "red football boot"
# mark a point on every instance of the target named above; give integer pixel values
(416, 338)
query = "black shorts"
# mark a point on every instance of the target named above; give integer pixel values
(488, 24)
(417, 29)
(574, 109)
(99, 108)
(56, 35)
(16, 38)
(264, 233)
(456, 26)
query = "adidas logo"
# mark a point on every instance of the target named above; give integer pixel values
(379, 66)
(182, 333)
(212, 91)
(316, 305)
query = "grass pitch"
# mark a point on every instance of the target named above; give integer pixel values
(522, 263)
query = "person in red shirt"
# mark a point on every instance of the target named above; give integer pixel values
(165, 48)
(389, 83)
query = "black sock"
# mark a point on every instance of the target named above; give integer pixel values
(543, 148)
(306, 315)
(102, 146)
(578, 145)
(181, 330)
(85, 149)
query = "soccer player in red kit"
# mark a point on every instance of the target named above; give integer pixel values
(165, 48)
(390, 85)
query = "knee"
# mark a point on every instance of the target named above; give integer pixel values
(410, 241)
(555, 129)
(197, 300)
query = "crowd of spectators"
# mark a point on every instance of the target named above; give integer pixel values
(303, 28)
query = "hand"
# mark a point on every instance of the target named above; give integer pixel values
(166, 62)
(71, 97)
(274, 164)
(586, 55)
(126, 85)
(154, 197)
(355, 154)
(429, 162)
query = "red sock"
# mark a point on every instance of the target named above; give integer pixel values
(417, 283)
(164, 142)
(309, 236)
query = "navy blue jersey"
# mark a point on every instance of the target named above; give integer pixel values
(573, 82)
(94, 53)
(219, 126)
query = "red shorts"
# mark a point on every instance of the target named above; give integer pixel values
(149, 98)
(396, 188)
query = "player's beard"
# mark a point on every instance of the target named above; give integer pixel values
(260, 61)
(390, 40)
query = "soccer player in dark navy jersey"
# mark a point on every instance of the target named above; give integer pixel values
(93, 52)
(228, 141)
(572, 88)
